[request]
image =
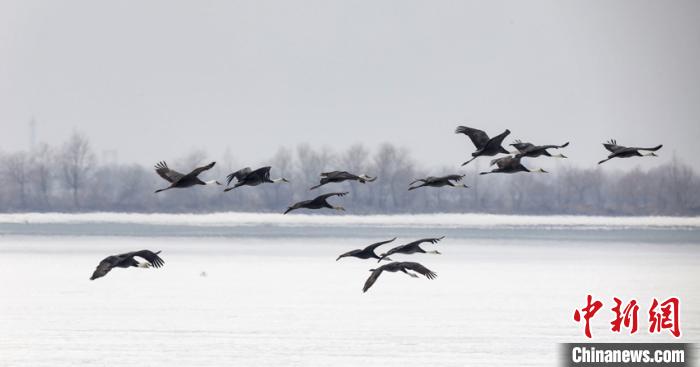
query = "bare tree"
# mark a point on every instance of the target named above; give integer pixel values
(31, 181)
(77, 161)
(42, 162)
(16, 170)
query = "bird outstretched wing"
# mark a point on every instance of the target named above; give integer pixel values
(431, 240)
(612, 146)
(150, 256)
(263, 172)
(372, 278)
(326, 196)
(498, 139)
(538, 148)
(238, 175)
(103, 267)
(650, 149)
(375, 245)
(554, 146)
(420, 269)
(478, 137)
(198, 170)
(455, 178)
(168, 174)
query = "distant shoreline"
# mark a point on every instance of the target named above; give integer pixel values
(438, 220)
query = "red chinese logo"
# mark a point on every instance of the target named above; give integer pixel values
(627, 317)
(662, 316)
(666, 318)
(588, 312)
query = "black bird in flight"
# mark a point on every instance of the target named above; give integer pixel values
(509, 164)
(248, 177)
(367, 252)
(127, 260)
(412, 248)
(619, 151)
(340, 176)
(532, 151)
(178, 180)
(432, 181)
(398, 266)
(485, 146)
(317, 203)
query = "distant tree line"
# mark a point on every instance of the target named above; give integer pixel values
(69, 178)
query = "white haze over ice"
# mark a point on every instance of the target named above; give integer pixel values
(391, 221)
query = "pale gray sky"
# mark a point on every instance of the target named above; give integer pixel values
(154, 79)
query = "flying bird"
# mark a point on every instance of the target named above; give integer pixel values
(317, 203)
(485, 146)
(398, 266)
(432, 181)
(247, 177)
(127, 260)
(367, 252)
(178, 180)
(530, 150)
(618, 151)
(340, 176)
(412, 248)
(510, 164)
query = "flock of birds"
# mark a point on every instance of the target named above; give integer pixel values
(485, 146)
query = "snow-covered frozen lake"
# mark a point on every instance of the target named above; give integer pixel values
(273, 293)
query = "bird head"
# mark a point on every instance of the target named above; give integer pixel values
(540, 170)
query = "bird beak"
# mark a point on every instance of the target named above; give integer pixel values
(285, 180)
